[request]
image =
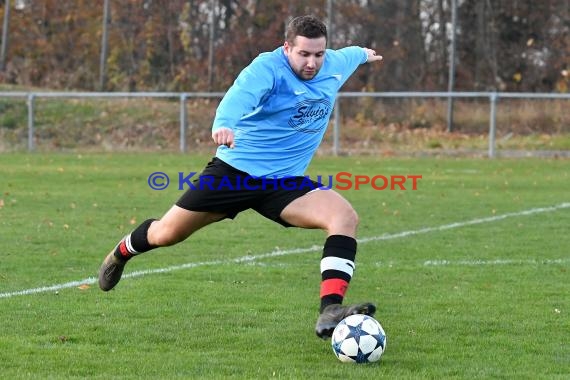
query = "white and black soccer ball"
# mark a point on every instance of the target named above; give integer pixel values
(358, 338)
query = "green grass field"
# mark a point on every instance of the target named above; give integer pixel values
(470, 273)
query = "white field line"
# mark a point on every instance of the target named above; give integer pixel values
(439, 263)
(314, 248)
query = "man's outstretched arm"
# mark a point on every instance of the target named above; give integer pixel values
(372, 56)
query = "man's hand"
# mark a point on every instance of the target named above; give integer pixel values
(372, 56)
(224, 136)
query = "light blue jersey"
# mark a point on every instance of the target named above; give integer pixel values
(278, 119)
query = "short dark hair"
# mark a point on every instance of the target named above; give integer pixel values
(306, 26)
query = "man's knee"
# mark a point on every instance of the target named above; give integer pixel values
(345, 221)
(350, 217)
(162, 235)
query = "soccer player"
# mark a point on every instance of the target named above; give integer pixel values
(268, 126)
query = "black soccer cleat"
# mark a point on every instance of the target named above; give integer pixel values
(333, 314)
(112, 268)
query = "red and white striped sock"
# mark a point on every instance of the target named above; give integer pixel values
(337, 268)
(135, 243)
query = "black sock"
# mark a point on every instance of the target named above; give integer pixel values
(136, 242)
(337, 267)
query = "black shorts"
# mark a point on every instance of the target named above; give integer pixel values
(221, 188)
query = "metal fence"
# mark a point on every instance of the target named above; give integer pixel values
(493, 98)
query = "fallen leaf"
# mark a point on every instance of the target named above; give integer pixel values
(83, 287)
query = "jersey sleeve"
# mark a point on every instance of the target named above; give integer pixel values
(349, 58)
(246, 94)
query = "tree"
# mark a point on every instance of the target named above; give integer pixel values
(517, 45)
(508, 45)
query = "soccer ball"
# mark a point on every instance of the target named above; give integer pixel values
(358, 338)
